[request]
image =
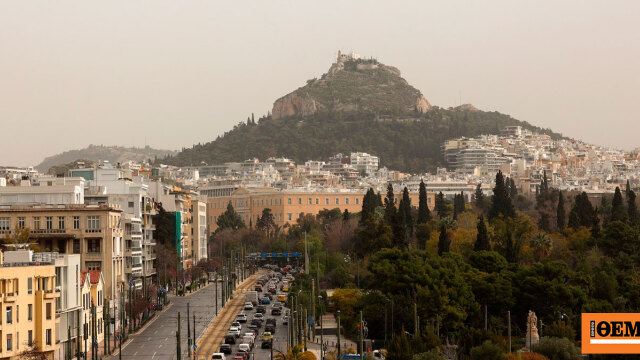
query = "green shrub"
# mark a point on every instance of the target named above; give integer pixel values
(429, 355)
(557, 348)
(487, 351)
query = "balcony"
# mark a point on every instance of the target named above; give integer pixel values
(93, 230)
(10, 297)
(50, 294)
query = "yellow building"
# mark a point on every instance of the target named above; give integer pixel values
(27, 306)
(288, 205)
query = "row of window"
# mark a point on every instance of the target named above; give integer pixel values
(29, 340)
(9, 313)
(93, 222)
(271, 202)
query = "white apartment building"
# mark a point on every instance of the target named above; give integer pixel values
(364, 162)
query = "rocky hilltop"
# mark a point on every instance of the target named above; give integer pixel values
(353, 84)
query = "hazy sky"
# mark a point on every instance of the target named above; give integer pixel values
(174, 73)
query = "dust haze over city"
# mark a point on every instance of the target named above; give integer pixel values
(170, 75)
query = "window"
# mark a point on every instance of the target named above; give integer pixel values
(30, 338)
(49, 222)
(299, 201)
(76, 222)
(93, 222)
(289, 201)
(337, 201)
(310, 201)
(4, 224)
(48, 311)
(346, 201)
(30, 285)
(48, 338)
(9, 342)
(17, 313)
(93, 245)
(61, 222)
(94, 265)
(30, 312)
(289, 216)
(130, 204)
(326, 201)
(76, 246)
(21, 222)
(36, 223)
(317, 201)
(357, 201)
(9, 315)
(100, 298)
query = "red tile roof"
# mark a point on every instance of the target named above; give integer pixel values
(94, 276)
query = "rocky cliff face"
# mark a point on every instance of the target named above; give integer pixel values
(353, 84)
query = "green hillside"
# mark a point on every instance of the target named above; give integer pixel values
(409, 143)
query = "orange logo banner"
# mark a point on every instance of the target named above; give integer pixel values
(611, 333)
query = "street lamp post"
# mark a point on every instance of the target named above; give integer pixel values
(339, 356)
(321, 331)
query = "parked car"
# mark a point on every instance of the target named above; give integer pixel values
(225, 348)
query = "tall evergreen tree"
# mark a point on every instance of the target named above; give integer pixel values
(482, 240)
(405, 208)
(618, 213)
(560, 212)
(444, 243)
(479, 198)
(389, 205)
(632, 207)
(628, 189)
(582, 212)
(346, 215)
(595, 224)
(369, 204)
(500, 201)
(230, 219)
(424, 215)
(513, 190)
(545, 182)
(441, 206)
(458, 204)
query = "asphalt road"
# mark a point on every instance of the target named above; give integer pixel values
(158, 340)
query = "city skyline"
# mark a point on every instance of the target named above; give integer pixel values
(135, 70)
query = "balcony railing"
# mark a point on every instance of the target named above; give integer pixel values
(48, 231)
(93, 230)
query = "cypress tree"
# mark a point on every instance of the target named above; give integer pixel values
(513, 190)
(595, 224)
(545, 183)
(510, 248)
(399, 229)
(369, 204)
(482, 240)
(389, 205)
(443, 242)
(500, 201)
(574, 221)
(632, 208)
(628, 189)
(441, 206)
(405, 208)
(618, 212)
(458, 204)
(479, 198)
(560, 212)
(424, 215)
(346, 215)
(582, 212)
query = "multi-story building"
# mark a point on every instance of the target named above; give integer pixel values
(44, 190)
(92, 231)
(28, 298)
(290, 204)
(200, 234)
(364, 162)
(92, 289)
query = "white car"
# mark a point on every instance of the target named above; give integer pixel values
(244, 347)
(235, 331)
(248, 306)
(258, 316)
(241, 318)
(251, 333)
(218, 356)
(237, 324)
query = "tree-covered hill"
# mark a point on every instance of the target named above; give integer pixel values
(409, 142)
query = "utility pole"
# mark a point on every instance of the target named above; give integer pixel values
(361, 337)
(339, 356)
(188, 333)
(194, 335)
(216, 296)
(485, 317)
(416, 330)
(94, 334)
(509, 328)
(106, 328)
(306, 255)
(305, 328)
(178, 350)
(313, 307)
(122, 329)
(321, 332)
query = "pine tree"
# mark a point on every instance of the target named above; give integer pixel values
(632, 207)
(405, 208)
(560, 212)
(230, 219)
(389, 205)
(444, 243)
(479, 198)
(253, 120)
(618, 212)
(424, 215)
(500, 201)
(482, 240)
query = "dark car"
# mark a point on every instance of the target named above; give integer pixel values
(271, 321)
(266, 344)
(276, 311)
(257, 323)
(230, 339)
(270, 328)
(258, 288)
(261, 309)
(225, 348)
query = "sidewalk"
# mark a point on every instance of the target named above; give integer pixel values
(329, 324)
